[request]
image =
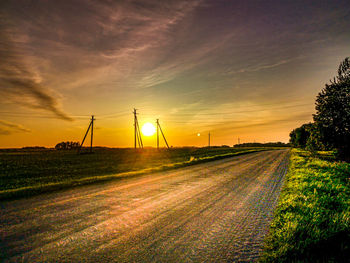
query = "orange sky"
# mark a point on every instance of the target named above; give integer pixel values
(247, 69)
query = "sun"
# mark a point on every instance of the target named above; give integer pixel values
(148, 129)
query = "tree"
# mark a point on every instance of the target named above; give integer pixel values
(299, 136)
(67, 145)
(343, 72)
(332, 117)
(314, 142)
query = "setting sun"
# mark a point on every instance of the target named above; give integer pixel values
(148, 129)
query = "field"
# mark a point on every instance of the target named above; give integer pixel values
(26, 172)
(312, 219)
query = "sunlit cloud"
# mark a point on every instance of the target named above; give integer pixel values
(18, 83)
(7, 128)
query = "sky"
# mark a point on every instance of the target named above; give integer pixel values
(237, 69)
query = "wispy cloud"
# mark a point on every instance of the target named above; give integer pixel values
(121, 42)
(18, 83)
(256, 68)
(251, 124)
(7, 128)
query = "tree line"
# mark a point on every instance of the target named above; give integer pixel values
(330, 129)
(67, 145)
(258, 144)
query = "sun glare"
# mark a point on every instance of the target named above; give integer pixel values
(148, 129)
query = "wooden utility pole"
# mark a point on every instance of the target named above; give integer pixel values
(91, 125)
(209, 139)
(92, 131)
(137, 133)
(160, 128)
(135, 128)
(157, 133)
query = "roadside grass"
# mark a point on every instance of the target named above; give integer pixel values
(28, 172)
(312, 219)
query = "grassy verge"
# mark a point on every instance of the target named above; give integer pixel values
(312, 220)
(26, 173)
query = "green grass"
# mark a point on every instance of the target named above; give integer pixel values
(28, 172)
(312, 219)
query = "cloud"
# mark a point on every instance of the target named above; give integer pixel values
(7, 128)
(129, 49)
(120, 42)
(261, 67)
(272, 123)
(18, 83)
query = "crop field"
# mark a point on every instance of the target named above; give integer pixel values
(312, 219)
(30, 171)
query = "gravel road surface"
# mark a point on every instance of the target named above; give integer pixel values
(212, 212)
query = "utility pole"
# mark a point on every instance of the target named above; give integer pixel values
(92, 131)
(209, 139)
(239, 141)
(91, 125)
(157, 133)
(160, 128)
(137, 133)
(135, 127)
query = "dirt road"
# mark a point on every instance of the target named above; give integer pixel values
(211, 212)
